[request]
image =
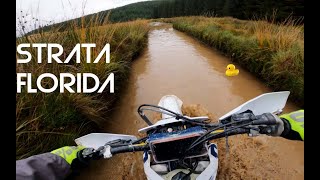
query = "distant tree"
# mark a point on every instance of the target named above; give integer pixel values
(242, 9)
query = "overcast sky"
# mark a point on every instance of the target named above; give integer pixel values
(49, 11)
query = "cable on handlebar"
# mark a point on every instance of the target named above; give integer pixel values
(211, 137)
(173, 114)
(210, 131)
(139, 140)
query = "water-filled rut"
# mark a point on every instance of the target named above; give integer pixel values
(174, 63)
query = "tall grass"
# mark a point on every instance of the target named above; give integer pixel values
(48, 121)
(273, 52)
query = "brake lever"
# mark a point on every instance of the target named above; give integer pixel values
(90, 153)
(118, 142)
(84, 156)
(246, 116)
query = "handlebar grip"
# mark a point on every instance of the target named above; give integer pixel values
(265, 119)
(274, 124)
(129, 148)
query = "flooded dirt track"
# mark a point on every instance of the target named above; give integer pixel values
(174, 63)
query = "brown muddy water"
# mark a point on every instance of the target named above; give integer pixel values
(175, 63)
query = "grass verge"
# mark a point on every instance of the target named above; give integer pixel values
(45, 122)
(273, 52)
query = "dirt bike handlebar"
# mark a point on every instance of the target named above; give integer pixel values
(232, 132)
(128, 148)
(265, 119)
(239, 124)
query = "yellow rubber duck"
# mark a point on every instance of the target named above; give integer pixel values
(231, 70)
